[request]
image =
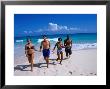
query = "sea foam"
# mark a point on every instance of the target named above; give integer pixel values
(50, 39)
(84, 46)
(19, 40)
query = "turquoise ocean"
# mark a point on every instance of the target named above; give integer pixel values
(80, 40)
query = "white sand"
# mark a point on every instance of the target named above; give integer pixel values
(81, 63)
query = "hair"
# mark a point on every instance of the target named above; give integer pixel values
(28, 39)
(44, 35)
(67, 36)
(59, 39)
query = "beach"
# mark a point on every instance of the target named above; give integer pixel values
(81, 29)
(81, 63)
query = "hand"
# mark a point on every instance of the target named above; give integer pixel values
(53, 50)
(36, 50)
(26, 55)
(63, 46)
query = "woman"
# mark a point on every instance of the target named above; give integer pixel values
(29, 51)
(59, 46)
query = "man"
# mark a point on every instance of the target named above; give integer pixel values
(59, 46)
(68, 46)
(45, 44)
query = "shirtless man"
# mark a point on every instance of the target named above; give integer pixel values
(59, 46)
(45, 44)
(68, 46)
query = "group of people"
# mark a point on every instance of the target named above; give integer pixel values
(45, 48)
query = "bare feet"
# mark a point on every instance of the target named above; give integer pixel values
(31, 70)
(47, 66)
(57, 59)
(61, 61)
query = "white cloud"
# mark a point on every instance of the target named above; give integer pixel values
(53, 27)
(74, 28)
(62, 27)
(65, 27)
(56, 27)
(25, 32)
(30, 32)
(39, 30)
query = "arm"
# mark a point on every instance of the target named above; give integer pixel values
(26, 50)
(71, 43)
(34, 48)
(63, 46)
(55, 47)
(49, 44)
(64, 42)
(41, 46)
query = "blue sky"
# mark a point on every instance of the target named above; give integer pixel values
(40, 24)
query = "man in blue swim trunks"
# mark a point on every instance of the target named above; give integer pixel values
(59, 46)
(45, 44)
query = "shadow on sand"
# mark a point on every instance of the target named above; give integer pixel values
(23, 67)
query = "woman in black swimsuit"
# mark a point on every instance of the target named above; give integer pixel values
(29, 51)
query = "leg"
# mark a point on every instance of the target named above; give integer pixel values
(61, 57)
(70, 52)
(58, 56)
(66, 52)
(47, 61)
(32, 67)
(32, 58)
(47, 58)
(29, 58)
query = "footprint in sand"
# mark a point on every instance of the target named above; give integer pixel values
(95, 74)
(91, 73)
(81, 74)
(70, 72)
(54, 63)
(74, 71)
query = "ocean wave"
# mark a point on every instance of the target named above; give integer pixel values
(84, 46)
(50, 39)
(19, 41)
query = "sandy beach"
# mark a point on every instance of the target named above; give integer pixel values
(81, 63)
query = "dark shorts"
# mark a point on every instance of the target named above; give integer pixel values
(68, 50)
(46, 52)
